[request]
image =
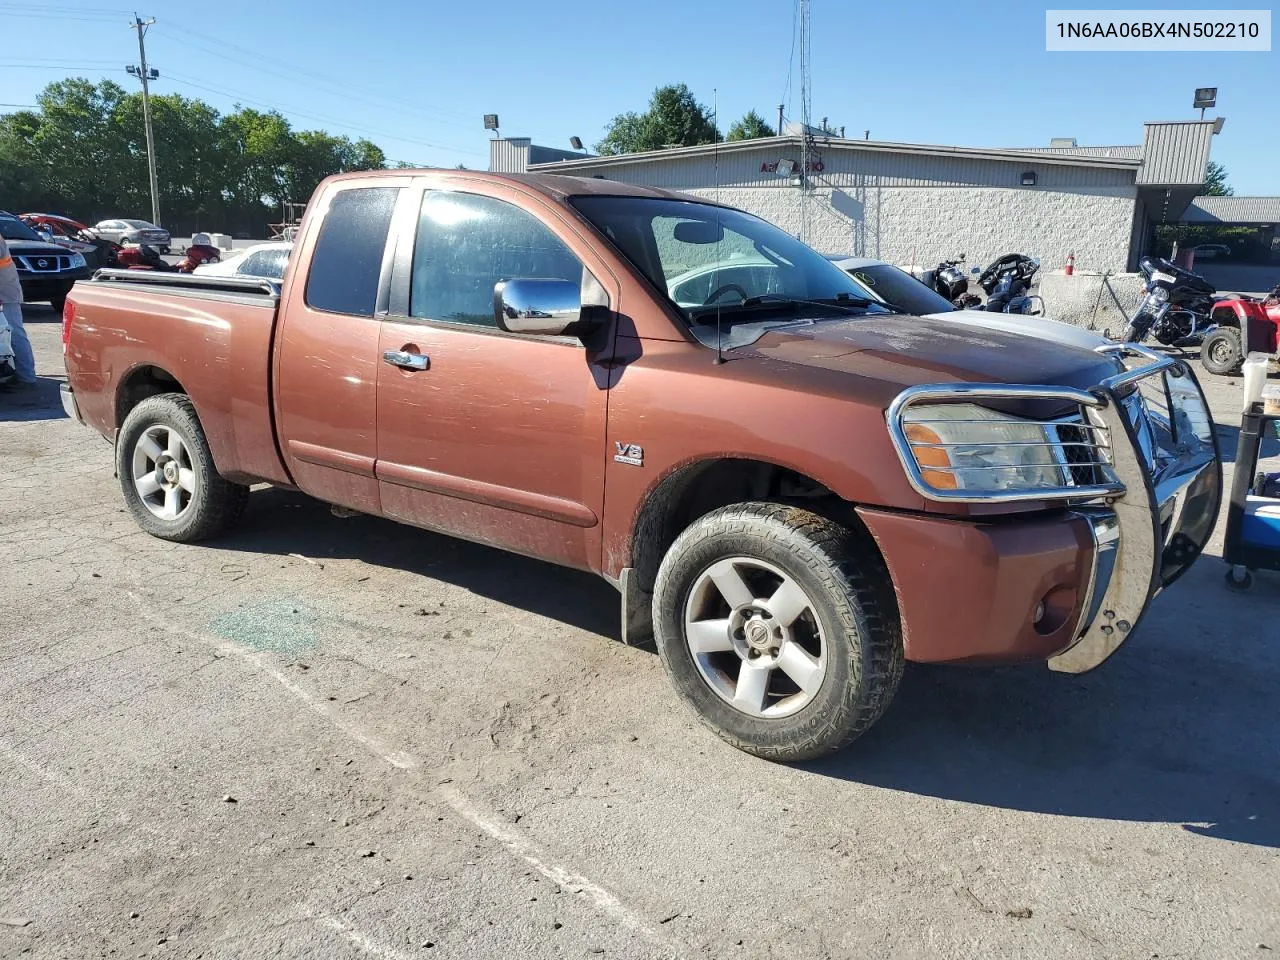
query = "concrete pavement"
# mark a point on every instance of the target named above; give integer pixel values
(348, 738)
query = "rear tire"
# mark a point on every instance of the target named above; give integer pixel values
(1222, 351)
(774, 589)
(167, 474)
(58, 303)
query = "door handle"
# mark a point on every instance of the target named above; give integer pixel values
(406, 361)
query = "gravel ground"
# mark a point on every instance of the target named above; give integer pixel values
(346, 738)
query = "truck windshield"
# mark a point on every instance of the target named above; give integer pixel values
(11, 228)
(888, 284)
(718, 263)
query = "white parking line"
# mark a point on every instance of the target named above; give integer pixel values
(364, 942)
(514, 840)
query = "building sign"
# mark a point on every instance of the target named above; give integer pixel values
(815, 166)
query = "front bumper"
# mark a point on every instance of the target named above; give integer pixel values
(1134, 532)
(41, 286)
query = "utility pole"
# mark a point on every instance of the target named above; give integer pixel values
(144, 74)
(780, 106)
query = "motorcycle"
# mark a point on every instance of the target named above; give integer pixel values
(1006, 282)
(947, 280)
(146, 257)
(1177, 307)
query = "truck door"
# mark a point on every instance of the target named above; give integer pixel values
(326, 363)
(495, 437)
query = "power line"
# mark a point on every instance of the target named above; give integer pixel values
(56, 62)
(290, 73)
(329, 121)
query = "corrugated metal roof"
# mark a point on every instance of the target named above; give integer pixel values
(839, 144)
(846, 167)
(1125, 152)
(1233, 210)
(1175, 153)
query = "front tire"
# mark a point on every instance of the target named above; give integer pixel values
(1222, 351)
(778, 627)
(167, 474)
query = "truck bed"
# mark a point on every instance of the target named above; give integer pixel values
(133, 332)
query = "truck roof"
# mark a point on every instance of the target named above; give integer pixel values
(556, 186)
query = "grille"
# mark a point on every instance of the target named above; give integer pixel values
(36, 263)
(1084, 457)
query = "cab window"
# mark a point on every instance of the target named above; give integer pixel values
(466, 243)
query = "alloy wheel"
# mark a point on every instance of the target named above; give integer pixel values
(162, 472)
(755, 637)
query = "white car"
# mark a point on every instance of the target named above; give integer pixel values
(261, 260)
(897, 288)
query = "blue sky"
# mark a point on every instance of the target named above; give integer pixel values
(415, 77)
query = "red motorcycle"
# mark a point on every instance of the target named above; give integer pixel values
(146, 257)
(1241, 325)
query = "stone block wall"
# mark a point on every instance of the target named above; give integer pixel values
(925, 224)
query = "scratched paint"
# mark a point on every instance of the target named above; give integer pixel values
(278, 625)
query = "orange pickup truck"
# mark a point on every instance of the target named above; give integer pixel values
(794, 489)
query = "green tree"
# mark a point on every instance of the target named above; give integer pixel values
(674, 118)
(750, 127)
(1215, 181)
(83, 153)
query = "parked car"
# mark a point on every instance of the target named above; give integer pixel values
(1212, 251)
(46, 270)
(794, 489)
(260, 260)
(892, 285)
(74, 235)
(134, 231)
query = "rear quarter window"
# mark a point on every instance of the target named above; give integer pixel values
(347, 261)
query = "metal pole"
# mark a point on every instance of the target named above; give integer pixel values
(141, 26)
(780, 106)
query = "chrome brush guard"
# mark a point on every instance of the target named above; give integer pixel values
(1140, 464)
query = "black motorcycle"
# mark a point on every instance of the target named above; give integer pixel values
(1007, 282)
(1176, 308)
(948, 280)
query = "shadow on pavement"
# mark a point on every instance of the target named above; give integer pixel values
(40, 402)
(1180, 727)
(283, 522)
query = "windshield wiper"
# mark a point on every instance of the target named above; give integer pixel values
(774, 301)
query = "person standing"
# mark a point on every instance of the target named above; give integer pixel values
(24, 360)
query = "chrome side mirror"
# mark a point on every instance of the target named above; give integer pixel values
(547, 307)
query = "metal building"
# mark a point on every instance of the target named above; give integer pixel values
(917, 203)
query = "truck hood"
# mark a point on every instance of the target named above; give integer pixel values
(1039, 327)
(892, 352)
(35, 248)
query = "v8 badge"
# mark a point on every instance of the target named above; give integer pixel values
(631, 453)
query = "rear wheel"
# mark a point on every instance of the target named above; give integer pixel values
(168, 476)
(778, 627)
(1222, 351)
(58, 303)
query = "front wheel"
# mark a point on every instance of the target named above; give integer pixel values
(167, 474)
(779, 628)
(1222, 351)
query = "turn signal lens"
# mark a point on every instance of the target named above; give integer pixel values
(928, 457)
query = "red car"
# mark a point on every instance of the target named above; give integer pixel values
(75, 236)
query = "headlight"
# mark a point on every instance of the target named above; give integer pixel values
(77, 260)
(962, 446)
(1159, 294)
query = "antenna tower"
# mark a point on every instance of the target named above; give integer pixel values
(806, 136)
